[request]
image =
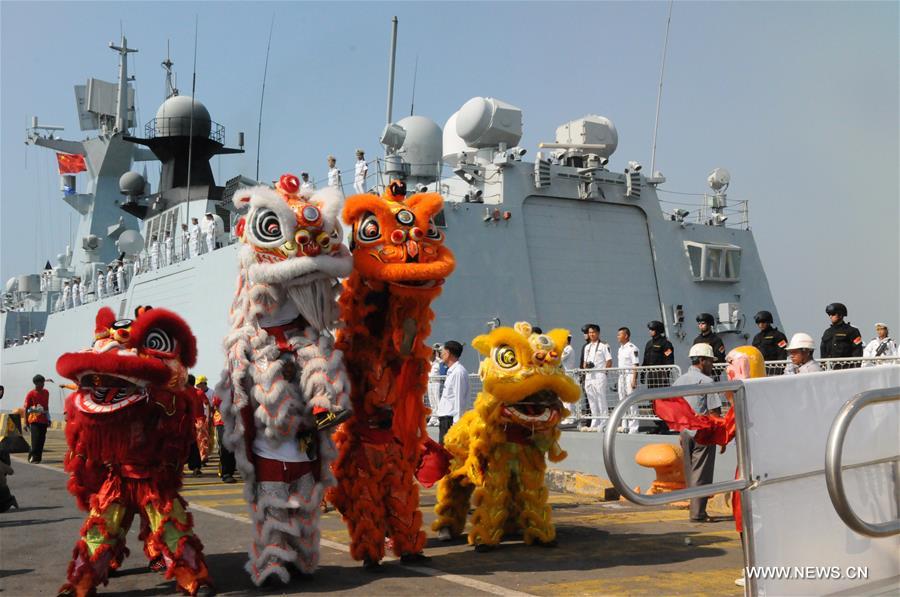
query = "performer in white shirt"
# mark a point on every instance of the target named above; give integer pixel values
(596, 356)
(628, 358)
(455, 395)
(361, 172)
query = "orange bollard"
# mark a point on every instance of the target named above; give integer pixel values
(666, 460)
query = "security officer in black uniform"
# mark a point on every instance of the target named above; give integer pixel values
(770, 341)
(658, 351)
(705, 322)
(841, 340)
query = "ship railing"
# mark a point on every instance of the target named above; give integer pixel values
(181, 253)
(647, 377)
(780, 367)
(165, 126)
(736, 214)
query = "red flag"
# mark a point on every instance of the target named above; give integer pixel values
(70, 163)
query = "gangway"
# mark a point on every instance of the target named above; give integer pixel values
(810, 490)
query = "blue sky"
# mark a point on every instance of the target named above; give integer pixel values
(798, 100)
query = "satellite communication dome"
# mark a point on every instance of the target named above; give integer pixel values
(12, 284)
(453, 143)
(131, 184)
(719, 179)
(173, 118)
(130, 242)
(488, 122)
(421, 148)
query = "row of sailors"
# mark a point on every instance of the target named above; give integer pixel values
(26, 339)
(76, 292)
(195, 240)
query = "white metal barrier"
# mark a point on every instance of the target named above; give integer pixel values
(794, 541)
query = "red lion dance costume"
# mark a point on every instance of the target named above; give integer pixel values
(285, 385)
(400, 263)
(129, 430)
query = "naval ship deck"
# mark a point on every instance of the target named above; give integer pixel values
(604, 548)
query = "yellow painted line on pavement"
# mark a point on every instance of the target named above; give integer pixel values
(187, 491)
(697, 582)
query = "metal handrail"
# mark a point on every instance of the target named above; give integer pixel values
(834, 449)
(610, 436)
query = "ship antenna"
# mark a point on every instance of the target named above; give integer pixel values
(662, 71)
(412, 103)
(167, 65)
(187, 217)
(262, 96)
(390, 101)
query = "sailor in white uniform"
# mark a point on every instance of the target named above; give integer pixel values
(195, 240)
(78, 298)
(361, 172)
(100, 285)
(111, 280)
(185, 244)
(627, 359)
(155, 250)
(120, 277)
(307, 187)
(66, 296)
(209, 232)
(880, 346)
(170, 249)
(598, 357)
(334, 175)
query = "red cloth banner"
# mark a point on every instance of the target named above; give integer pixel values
(70, 163)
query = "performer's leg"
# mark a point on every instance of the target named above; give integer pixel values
(360, 498)
(272, 525)
(404, 519)
(171, 535)
(491, 502)
(534, 511)
(308, 492)
(452, 507)
(101, 543)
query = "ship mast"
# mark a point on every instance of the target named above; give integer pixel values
(122, 100)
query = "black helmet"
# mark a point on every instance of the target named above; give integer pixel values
(763, 317)
(656, 326)
(836, 309)
(705, 318)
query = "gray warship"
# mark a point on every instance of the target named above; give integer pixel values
(559, 240)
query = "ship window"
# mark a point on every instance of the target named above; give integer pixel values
(713, 262)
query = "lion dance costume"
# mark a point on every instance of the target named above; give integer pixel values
(129, 429)
(284, 382)
(400, 263)
(499, 448)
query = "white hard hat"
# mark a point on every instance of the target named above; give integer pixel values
(801, 341)
(701, 350)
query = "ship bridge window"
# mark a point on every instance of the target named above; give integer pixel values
(714, 262)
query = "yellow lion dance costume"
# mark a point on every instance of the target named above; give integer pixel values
(499, 447)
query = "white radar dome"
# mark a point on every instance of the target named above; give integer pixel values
(421, 147)
(453, 143)
(174, 118)
(488, 122)
(130, 242)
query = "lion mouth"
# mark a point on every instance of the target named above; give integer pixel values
(107, 393)
(418, 283)
(541, 409)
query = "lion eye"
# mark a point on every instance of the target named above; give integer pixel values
(160, 341)
(433, 233)
(369, 229)
(266, 226)
(505, 356)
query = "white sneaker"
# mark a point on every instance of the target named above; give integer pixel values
(740, 581)
(444, 534)
(587, 429)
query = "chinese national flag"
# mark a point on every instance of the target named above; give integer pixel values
(70, 163)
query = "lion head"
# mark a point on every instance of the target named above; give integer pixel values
(523, 378)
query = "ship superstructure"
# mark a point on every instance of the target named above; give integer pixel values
(561, 241)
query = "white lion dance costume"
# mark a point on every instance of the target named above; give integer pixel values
(285, 385)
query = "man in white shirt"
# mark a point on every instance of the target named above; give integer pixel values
(120, 277)
(209, 232)
(627, 360)
(362, 170)
(455, 395)
(195, 233)
(435, 383)
(154, 253)
(699, 460)
(80, 297)
(111, 280)
(169, 258)
(568, 356)
(880, 346)
(307, 187)
(100, 285)
(598, 357)
(334, 175)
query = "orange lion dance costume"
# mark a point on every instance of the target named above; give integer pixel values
(400, 263)
(129, 430)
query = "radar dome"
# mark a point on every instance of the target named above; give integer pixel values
(130, 242)
(173, 118)
(131, 184)
(488, 122)
(453, 143)
(421, 148)
(12, 285)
